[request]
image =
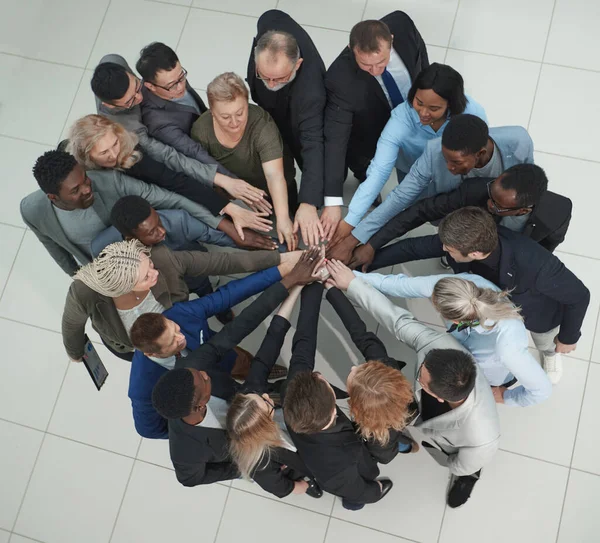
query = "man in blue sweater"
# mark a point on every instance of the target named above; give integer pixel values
(160, 339)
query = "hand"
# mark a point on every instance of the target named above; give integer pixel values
(342, 231)
(303, 270)
(330, 218)
(307, 221)
(285, 232)
(563, 348)
(256, 241)
(300, 487)
(242, 218)
(343, 250)
(287, 261)
(321, 273)
(362, 256)
(498, 393)
(341, 276)
(239, 189)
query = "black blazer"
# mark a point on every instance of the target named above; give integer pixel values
(337, 457)
(548, 293)
(200, 455)
(357, 109)
(297, 108)
(547, 223)
(372, 348)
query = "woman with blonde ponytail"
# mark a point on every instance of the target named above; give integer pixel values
(483, 318)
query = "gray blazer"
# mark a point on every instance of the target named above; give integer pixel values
(429, 176)
(131, 119)
(467, 436)
(108, 186)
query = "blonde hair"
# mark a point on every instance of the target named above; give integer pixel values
(460, 300)
(87, 131)
(253, 434)
(226, 88)
(379, 399)
(114, 272)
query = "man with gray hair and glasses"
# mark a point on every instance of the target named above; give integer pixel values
(286, 78)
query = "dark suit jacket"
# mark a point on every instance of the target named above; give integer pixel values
(357, 109)
(171, 123)
(547, 223)
(548, 293)
(297, 108)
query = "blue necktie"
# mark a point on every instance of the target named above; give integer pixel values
(392, 88)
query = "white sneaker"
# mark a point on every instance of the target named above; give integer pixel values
(553, 367)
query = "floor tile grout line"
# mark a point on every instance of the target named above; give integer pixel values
(534, 458)
(13, 226)
(112, 532)
(404, 538)
(452, 27)
(17, 138)
(183, 26)
(595, 337)
(12, 266)
(222, 515)
(28, 324)
(585, 393)
(25, 536)
(539, 78)
(362, 18)
(585, 471)
(328, 520)
(442, 523)
(33, 59)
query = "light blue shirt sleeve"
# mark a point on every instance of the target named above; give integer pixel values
(397, 129)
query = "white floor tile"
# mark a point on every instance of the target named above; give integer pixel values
(255, 8)
(585, 456)
(5, 536)
(508, 96)
(145, 518)
(246, 516)
(74, 493)
(156, 451)
(205, 28)
(329, 43)
(17, 456)
(321, 505)
(481, 25)
(16, 161)
(129, 26)
(334, 14)
(550, 123)
(532, 430)
(80, 403)
(515, 493)
(37, 365)
(436, 54)
(23, 115)
(56, 31)
(343, 532)
(433, 18)
(580, 521)
(570, 177)
(573, 39)
(84, 103)
(414, 514)
(10, 239)
(19, 539)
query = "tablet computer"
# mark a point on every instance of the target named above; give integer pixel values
(94, 364)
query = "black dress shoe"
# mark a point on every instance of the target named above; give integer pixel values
(460, 491)
(386, 486)
(313, 490)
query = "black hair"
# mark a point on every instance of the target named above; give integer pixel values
(465, 133)
(445, 82)
(173, 394)
(110, 81)
(154, 58)
(52, 168)
(452, 372)
(128, 212)
(528, 181)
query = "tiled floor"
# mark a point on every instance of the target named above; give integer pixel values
(72, 468)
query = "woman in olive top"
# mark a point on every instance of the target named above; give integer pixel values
(245, 140)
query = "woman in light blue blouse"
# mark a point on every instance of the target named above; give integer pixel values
(436, 95)
(483, 319)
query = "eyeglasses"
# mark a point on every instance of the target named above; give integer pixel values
(270, 403)
(496, 207)
(131, 102)
(276, 80)
(180, 80)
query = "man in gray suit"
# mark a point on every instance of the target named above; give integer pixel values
(457, 411)
(73, 206)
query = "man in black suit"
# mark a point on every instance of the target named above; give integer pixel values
(552, 299)
(518, 200)
(382, 54)
(286, 78)
(324, 436)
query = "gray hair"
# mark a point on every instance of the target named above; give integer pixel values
(275, 42)
(114, 272)
(226, 88)
(460, 300)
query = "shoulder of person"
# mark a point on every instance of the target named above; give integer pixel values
(33, 203)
